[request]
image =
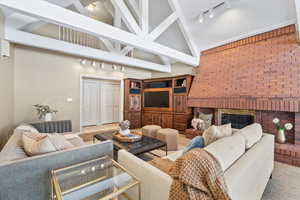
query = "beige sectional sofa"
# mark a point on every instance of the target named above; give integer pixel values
(246, 157)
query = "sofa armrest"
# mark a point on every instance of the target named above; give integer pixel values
(149, 176)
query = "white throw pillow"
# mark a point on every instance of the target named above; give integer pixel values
(252, 134)
(214, 133)
(27, 128)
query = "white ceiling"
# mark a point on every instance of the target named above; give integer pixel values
(243, 19)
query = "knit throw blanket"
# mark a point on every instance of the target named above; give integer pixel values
(197, 175)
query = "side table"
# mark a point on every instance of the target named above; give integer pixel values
(191, 133)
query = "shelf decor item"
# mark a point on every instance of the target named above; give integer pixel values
(281, 137)
(44, 112)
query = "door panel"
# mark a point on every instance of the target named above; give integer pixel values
(167, 121)
(90, 102)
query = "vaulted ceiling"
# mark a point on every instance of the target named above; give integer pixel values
(173, 27)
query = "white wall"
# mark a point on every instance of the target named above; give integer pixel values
(47, 77)
(6, 92)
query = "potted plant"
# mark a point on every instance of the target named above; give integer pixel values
(281, 130)
(45, 112)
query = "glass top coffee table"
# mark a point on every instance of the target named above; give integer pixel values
(99, 179)
(145, 145)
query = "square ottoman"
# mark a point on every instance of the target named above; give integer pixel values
(170, 136)
(150, 130)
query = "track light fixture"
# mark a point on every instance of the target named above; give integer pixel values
(102, 65)
(93, 63)
(114, 67)
(83, 61)
(201, 18)
(211, 13)
(122, 68)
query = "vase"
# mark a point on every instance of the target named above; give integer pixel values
(281, 136)
(48, 117)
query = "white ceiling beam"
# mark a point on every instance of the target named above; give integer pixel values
(80, 8)
(110, 47)
(36, 24)
(144, 16)
(126, 16)
(134, 7)
(18, 21)
(182, 23)
(29, 39)
(45, 11)
(118, 23)
(297, 5)
(162, 27)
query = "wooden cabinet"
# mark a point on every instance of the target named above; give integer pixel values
(167, 121)
(178, 115)
(180, 103)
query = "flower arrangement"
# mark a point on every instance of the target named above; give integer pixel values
(43, 110)
(279, 126)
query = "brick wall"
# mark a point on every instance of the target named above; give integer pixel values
(259, 73)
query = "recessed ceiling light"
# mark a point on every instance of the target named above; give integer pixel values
(211, 13)
(91, 7)
(201, 18)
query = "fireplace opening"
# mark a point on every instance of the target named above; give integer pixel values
(236, 120)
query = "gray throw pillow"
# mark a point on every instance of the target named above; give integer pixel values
(207, 118)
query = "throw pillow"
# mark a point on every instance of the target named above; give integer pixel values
(27, 128)
(74, 139)
(214, 133)
(196, 142)
(211, 134)
(41, 143)
(207, 118)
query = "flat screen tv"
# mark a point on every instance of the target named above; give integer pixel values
(159, 99)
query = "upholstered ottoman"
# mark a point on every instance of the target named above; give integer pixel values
(150, 130)
(170, 136)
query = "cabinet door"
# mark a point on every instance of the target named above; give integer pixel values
(180, 105)
(147, 119)
(135, 102)
(156, 119)
(167, 121)
(135, 120)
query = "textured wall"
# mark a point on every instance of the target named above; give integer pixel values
(260, 72)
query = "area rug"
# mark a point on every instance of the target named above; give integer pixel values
(285, 184)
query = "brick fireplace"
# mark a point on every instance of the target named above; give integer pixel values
(259, 75)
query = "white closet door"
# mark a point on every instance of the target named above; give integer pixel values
(90, 102)
(110, 102)
(116, 107)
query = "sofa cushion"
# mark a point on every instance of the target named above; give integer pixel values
(227, 150)
(252, 134)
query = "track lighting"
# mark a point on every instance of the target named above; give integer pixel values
(114, 67)
(83, 61)
(201, 18)
(93, 63)
(211, 13)
(102, 65)
(122, 68)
